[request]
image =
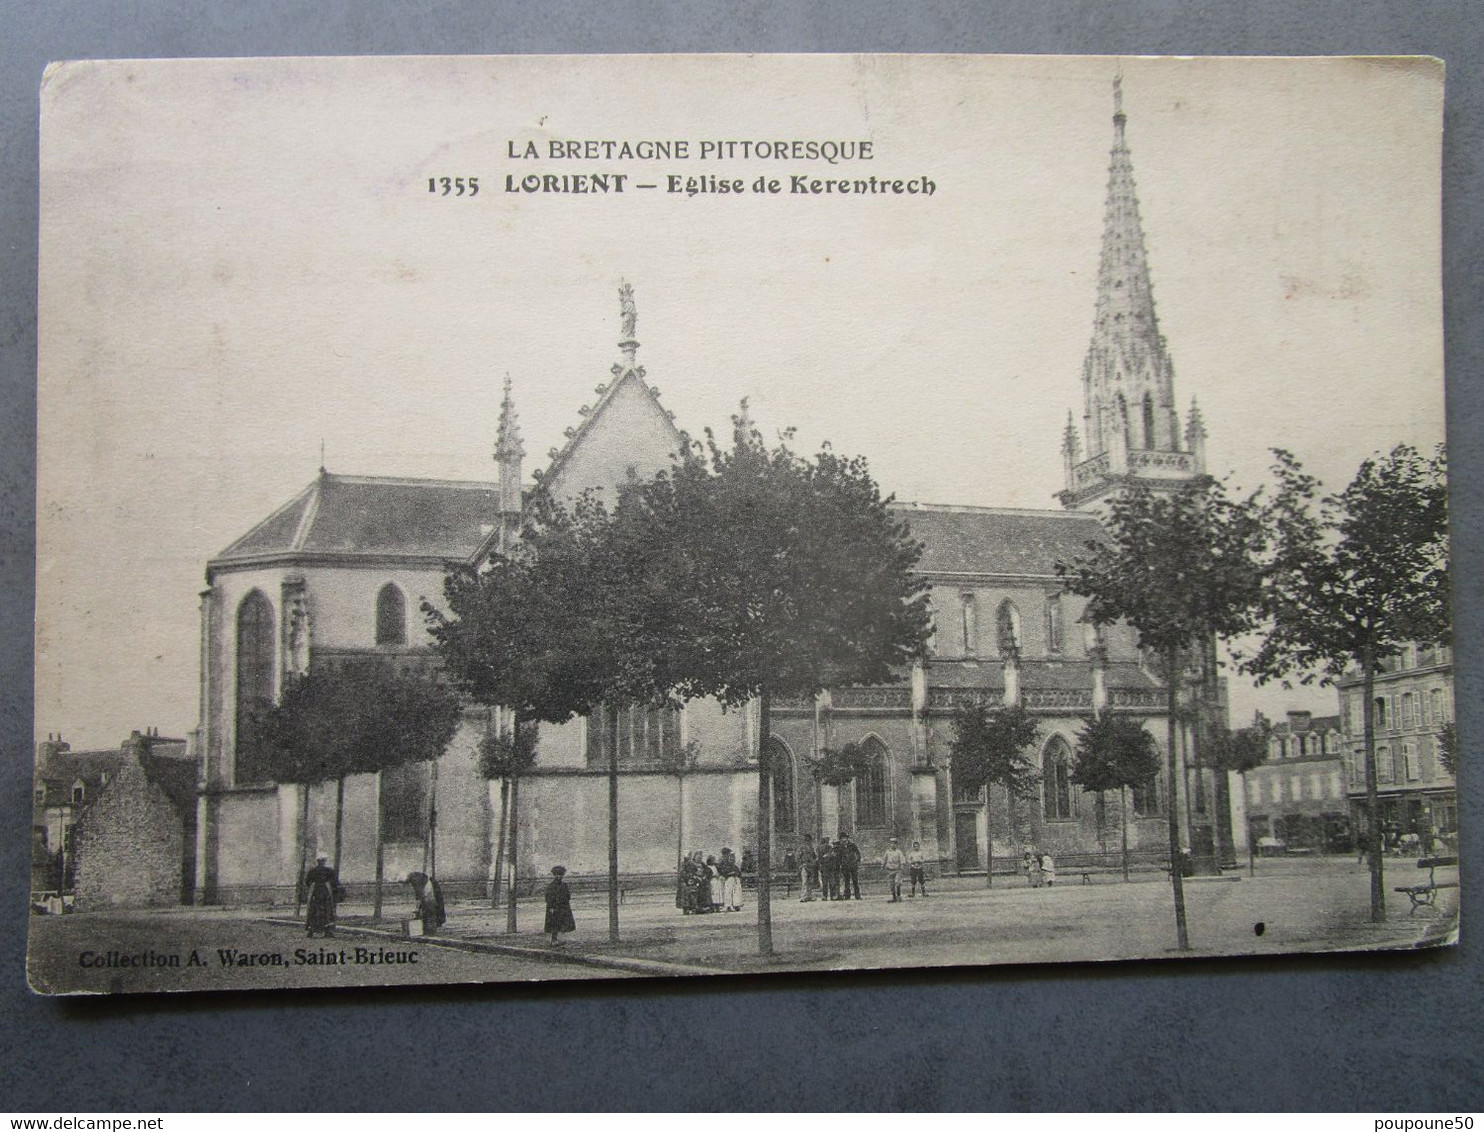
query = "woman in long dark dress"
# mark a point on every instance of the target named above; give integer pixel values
(320, 883)
(559, 906)
(429, 896)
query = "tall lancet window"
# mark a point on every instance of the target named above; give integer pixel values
(254, 682)
(1007, 628)
(1148, 421)
(970, 625)
(391, 616)
(1055, 628)
(1059, 795)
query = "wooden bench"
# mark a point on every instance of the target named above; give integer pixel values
(1424, 895)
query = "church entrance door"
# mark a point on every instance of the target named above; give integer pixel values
(966, 839)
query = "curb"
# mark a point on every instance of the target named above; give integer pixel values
(633, 965)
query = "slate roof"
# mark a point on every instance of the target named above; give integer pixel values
(996, 540)
(372, 516)
(1315, 723)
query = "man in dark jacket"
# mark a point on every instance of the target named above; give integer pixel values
(849, 855)
(829, 869)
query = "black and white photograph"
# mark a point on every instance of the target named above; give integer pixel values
(529, 518)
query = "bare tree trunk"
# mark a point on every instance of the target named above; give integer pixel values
(1372, 798)
(989, 838)
(1123, 825)
(1177, 881)
(764, 829)
(433, 823)
(380, 854)
(514, 846)
(679, 831)
(303, 848)
(500, 842)
(613, 825)
(339, 820)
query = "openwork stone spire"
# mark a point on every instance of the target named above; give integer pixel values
(1128, 369)
(509, 452)
(1130, 427)
(508, 444)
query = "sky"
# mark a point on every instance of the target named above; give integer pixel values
(242, 266)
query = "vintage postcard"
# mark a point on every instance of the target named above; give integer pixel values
(517, 518)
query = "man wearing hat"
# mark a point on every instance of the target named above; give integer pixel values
(895, 861)
(849, 857)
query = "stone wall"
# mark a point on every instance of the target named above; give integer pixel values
(130, 846)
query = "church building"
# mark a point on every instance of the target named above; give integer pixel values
(339, 571)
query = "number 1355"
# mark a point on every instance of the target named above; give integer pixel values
(454, 186)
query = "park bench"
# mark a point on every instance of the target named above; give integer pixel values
(1423, 895)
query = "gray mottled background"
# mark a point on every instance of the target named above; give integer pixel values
(1388, 1033)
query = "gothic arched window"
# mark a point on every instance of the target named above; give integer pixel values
(1148, 421)
(391, 616)
(1007, 628)
(970, 625)
(254, 681)
(1055, 627)
(874, 787)
(781, 775)
(1056, 781)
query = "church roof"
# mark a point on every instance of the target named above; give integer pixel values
(352, 517)
(996, 540)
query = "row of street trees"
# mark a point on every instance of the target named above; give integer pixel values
(742, 573)
(1325, 582)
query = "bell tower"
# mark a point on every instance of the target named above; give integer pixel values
(1131, 432)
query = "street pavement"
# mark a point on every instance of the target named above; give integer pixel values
(1287, 906)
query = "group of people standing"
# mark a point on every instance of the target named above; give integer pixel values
(1039, 868)
(709, 884)
(831, 872)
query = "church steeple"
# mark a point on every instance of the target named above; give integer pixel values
(1130, 426)
(509, 452)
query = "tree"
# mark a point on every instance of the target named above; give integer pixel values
(680, 762)
(1240, 751)
(1181, 568)
(1353, 579)
(1115, 753)
(507, 755)
(836, 766)
(989, 748)
(361, 718)
(784, 575)
(1448, 748)
(560, 624)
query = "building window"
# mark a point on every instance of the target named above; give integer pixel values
(1055, 631)
(1007, 628)
(391, 616)
(931, 645)
(781, 776)
(970, 625)
(1146, 798)
(873, 787)
(646, 735)
(1410, 765)
(1380, 713)
(254, 682)
(79, 794)
(1385, 767)
(1148, 421)
(1409, 709)
(1058, 797)
(1439, 707)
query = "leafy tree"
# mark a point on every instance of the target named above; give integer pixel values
(507, 755)
(564, 622)
(784, 575)
(1240, 750)
(835, 766)
(1115, 753)
(989, 748)
(1448, 748)
(1181, 568)
(681, 761)
(1353, 579)
(361, 718)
